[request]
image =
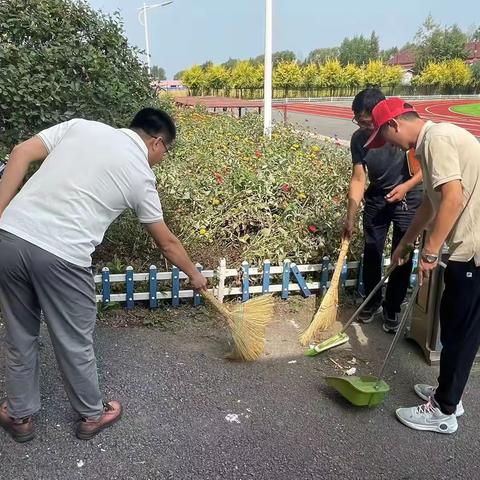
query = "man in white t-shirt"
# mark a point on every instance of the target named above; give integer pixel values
(90, 174)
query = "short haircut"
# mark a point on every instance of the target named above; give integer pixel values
(156, 123)
(366, 100)
(409, 116)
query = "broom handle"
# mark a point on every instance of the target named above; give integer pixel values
(341, 259)
(215, 303)
(369, 297)
(399, 332)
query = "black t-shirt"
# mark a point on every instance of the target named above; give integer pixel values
(386, 166)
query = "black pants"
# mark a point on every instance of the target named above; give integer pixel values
(460, 331)
(377, 216)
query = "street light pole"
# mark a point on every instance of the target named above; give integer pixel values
(147, 43)
(143, 19)
(267, 85)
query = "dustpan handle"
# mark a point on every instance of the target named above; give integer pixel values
(407, 250)
(399, 332)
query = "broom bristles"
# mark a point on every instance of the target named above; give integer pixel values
(327, 312)
(248, 323)
(324, 318)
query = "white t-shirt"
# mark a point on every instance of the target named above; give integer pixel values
(93, 172)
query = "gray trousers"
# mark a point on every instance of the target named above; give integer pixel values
(33, 280)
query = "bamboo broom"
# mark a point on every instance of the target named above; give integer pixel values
(327, 312)
(247, 322)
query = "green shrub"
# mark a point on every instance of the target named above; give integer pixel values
(61, 59)
(228, 191)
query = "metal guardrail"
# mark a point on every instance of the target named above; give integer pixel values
(350, 98)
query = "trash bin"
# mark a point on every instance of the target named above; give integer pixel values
(425, 317)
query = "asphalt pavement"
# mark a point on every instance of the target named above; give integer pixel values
(190, 414)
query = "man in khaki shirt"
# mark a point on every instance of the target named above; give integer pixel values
(450, 158)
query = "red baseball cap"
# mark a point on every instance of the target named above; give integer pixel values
(383, 112)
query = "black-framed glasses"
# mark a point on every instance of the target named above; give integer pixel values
(163, 143)
(361, 123)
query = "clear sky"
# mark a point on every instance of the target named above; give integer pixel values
(194, 31)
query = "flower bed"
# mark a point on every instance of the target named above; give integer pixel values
(227, 191)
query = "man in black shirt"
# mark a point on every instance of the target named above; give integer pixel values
(392, 196)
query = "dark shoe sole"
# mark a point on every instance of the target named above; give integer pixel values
(19, 438)
(90, 435)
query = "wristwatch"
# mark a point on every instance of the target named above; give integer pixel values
(429, 257)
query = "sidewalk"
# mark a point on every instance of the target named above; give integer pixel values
(189, 414)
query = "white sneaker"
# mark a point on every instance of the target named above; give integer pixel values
(427, 417)
(426, 391)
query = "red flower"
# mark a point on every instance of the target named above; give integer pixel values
(285, 187)
(312, 229)
(258, 153)
(218, 178)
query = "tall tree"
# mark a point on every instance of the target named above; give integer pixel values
(475, 37)
(158, 73)
(244, 76)
(331, 75)
(359, 50)
(374, 46)
(79, 66)
(178, 75)
(216, 77)
(475, 69)
(194, 78)
(436, 44)
(277, 57)
(206, 65)
(283, 56)
(386, 55)
(230, 63)
(320, 55)
(287, 75)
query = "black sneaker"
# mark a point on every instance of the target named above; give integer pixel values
(390, 325)
(367, 315)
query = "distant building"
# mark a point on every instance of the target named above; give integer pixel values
(406, 60)
(473, 49)
(170, 85)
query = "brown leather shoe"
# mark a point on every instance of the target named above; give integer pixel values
(21, 430)
(88, 427)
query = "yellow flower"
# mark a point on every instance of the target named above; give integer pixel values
(315, 148)
(301, 195)
(215, 201)
(203, 231)
(295, 146)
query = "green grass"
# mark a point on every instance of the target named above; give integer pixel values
(470, 109)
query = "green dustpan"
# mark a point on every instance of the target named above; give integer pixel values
(365, 391)
(369, 391)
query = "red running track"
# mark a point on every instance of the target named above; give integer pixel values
(436, 110)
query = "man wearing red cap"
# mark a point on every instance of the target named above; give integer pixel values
(391, 199)
(450, 159)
